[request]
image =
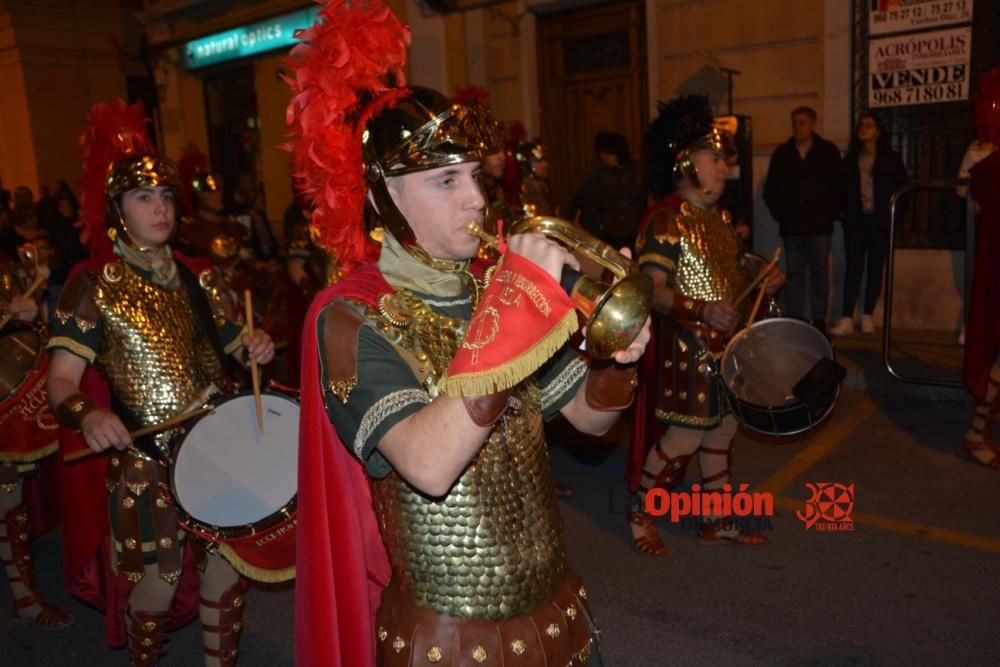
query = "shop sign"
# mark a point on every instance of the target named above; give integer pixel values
(248, 40)
(888, 16)
(921, 68)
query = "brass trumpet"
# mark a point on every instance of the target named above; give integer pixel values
(615, 313)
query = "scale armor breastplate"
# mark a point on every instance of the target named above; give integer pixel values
(493, 548)
(710, 265)
(154, 354)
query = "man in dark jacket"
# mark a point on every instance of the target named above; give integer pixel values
(803, 191)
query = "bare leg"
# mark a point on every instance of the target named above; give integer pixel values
(664, 465)
(715, 456)
(152, 593)
(11, 496)
(978, 438)
(15, 552)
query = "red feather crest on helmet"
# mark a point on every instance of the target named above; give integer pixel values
(352, 57)
(114, 130)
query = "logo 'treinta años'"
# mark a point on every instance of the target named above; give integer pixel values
(830, 507)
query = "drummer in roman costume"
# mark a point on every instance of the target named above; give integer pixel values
(428, 527)
(29, 435)
(687, 244)
(156, 330)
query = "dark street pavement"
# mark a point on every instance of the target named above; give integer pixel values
(915, 582)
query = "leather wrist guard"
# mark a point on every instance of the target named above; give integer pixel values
(610, 385)
(486, 410)
(686, 309)
(72, 411)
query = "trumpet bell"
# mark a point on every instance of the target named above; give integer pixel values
(617, 316)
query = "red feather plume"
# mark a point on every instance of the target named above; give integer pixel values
(114, 130)
(355, 52)
(470, 93)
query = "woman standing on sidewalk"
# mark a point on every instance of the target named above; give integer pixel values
(873, 172)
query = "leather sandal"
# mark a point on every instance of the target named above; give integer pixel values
(971, 447)
(648, 541)
(49, 617)
(714, 532)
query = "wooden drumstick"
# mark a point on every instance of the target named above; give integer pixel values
(756, 304)
(254, 372)
(176, 420)
(39, 280)
(760, 277)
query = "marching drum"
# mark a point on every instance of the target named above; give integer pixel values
(236, 486)
(28, 425)
(780, 376)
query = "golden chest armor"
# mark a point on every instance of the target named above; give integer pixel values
(710, 265)
(153, 354)
(493, 548)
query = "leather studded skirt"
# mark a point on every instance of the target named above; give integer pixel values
(560, 631)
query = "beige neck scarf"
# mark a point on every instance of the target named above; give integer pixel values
(404, 270)
(158, 262)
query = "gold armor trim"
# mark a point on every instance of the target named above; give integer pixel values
(384, 408)
(76, 348)
(146, 547)
(493, 547)
(561, 383)
(236, 342)
(688, 420)
(659, 260)
(342, 388)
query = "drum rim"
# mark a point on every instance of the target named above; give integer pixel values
(212, 532)
(40, 334)
(771, 434)
(731, 396)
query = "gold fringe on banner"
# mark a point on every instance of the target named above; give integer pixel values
(7, 458)
(252, 571)
(510, 373)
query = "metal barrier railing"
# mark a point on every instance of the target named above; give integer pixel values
(970, 230)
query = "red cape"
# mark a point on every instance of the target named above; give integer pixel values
(83, 504)
(982, 340)
(341, 563)
(646, 431)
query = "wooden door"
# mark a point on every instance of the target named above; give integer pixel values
(591, 77)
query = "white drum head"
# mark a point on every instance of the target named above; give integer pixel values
(227, 473)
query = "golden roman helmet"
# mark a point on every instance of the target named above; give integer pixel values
(683, 126)
(422, 130)
(129, 173)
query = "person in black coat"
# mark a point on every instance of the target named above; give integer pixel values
(804, 193)
(872, 171)
(612, 199)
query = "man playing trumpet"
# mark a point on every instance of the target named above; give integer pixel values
(438, 385)
(687, 244)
